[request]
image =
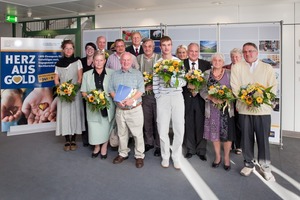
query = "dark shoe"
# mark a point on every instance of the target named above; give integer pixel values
(157, 152)
(114, 148)
(227, 168)
(202, 157)
(119, 159)
(86, 144)
(95, 155)
(148, 147)
(67, 146)
(103, 157)
(188, 155)
(139, 162)
(215, 165)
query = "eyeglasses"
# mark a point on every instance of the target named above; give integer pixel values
(250, 51)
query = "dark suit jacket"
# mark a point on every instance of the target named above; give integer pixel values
(188, 98)
(131, 50)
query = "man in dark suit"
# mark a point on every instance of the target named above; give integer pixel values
(194, 108)
(136, 47)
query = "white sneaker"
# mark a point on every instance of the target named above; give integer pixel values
(165, 163)
(176, 165)
(246, 171)
(268, 176)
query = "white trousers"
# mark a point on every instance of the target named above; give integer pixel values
(170, 107)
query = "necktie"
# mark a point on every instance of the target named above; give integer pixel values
(136, 52)
(193, 66)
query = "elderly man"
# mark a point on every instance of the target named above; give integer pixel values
(113, 61)
(129, 113)
(101, 44)
(194, 108)
(252, 70)
(146, 62)
(136, 47)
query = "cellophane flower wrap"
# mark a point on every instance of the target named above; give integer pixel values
(254, 95)
(168, 68)
(97, 100)
(67, 91)
(223, 93)
(196, 78)
(148, 80)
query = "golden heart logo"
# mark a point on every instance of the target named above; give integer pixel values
(17, 79)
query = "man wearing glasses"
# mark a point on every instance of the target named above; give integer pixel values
(257, 121)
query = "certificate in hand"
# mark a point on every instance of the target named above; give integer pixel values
(123, 92)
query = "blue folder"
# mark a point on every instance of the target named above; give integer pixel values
(122, 93)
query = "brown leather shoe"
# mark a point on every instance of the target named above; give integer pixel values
(119, 159)
(139, 162)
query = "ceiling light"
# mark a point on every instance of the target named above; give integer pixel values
(140, 9)
(217, 3)
(99, 5)
(29, 13)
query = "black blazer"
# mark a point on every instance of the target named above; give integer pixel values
(188, 98)
(131, 50)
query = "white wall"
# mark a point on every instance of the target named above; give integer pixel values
(289, 13)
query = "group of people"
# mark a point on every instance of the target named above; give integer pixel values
(146, 114)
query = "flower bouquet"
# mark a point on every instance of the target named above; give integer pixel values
(196, 79)
(97, 100)
(254, 95)
(168, 68)
(222, 93)
(67, 91)
(148, 80)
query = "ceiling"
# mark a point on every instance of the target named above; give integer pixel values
(27, 10)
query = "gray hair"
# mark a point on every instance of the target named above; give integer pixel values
(236, 50)
(218, 55)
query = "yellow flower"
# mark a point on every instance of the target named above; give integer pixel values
(221, 92)
(171, 69)
(175, 63)
(57, 90)
(259, 100)
(66, 91)
(103, 101)
(101, 96)
(249, 100)
(244, 92)
(211, 87)
(71, 86)
(259, 91)
(91, 98)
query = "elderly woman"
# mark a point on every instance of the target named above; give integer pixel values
(219, 124)
(236, 56)
(99, 123)
(181, 52)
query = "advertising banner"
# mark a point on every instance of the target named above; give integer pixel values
(27, 80)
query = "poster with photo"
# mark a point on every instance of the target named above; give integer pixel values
(269, 46)
(208, 46)
(126, 34)
(156, 34)
(27, 80)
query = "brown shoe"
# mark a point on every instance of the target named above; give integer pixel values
(67, 146)
(119, 159)
(73, 146)
(139, 162)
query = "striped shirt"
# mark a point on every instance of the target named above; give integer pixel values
(159, 87)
